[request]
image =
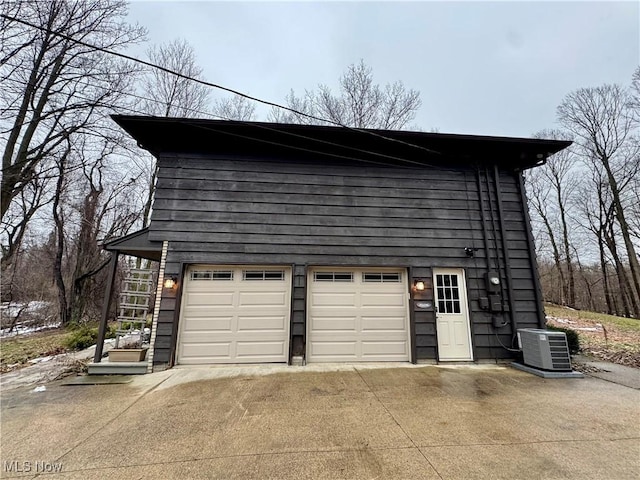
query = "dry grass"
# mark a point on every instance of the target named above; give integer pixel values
(17, 351)
(607, 337)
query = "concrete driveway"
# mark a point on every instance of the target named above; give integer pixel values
(348, 422)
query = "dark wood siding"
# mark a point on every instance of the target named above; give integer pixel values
(242, 211)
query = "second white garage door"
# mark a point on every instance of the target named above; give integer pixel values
(235, 315)
(357, 315)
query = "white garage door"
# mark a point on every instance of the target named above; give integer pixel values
(235, 315)
(357, 315)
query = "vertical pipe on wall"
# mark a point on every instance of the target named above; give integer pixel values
(102, 329)
(505, 251)
(498, 265)
(485, 234)
(537, 286)
(485, 237)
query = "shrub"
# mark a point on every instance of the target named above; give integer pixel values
(111, 331)
(81, 337)
(572, 338)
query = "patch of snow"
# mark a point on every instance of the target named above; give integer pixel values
(41, 359)
(12, 309)
(41, 388)
(35, 316)
(565, 321)
(26, 329)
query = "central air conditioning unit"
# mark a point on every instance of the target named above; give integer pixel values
(545, 349)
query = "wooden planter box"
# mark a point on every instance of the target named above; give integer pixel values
(127, 354)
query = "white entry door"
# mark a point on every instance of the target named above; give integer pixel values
(452, 315)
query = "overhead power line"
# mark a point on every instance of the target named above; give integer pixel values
(269, 142)
(213, 85)
(262, 127)
(271, 129)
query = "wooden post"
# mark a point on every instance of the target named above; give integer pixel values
(102, 330)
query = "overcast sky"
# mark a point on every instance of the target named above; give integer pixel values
(481, 67)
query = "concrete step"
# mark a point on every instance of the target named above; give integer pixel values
(117, 368)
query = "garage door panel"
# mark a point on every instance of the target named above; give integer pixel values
(204, 324)
(234, 321)
(383, 311)
(263, 299)
(209, 299)
(207, 337)
(383, 323)
(207, 350)
(342, 312)
(333, 324)
(334, 348)
(384, 348)
(382, 300)
(260, 350)
(362, 320)
(333, 299)
(262, 323)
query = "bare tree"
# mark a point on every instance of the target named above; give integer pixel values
(174, 96)
(606, 132)
(634, 103)
(90, 204)
(359, 102)
(235, 108)
(52, 90)
(539, 193)
(103, 213)
(552, 189)
(170, 95)
(55, 97)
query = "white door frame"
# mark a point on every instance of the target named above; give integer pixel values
(464, 307)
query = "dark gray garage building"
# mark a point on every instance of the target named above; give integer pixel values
(338, 245)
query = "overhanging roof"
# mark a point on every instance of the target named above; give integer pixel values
(289, 141)
(136, 244)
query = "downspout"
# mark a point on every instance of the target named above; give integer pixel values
(492, 211)
(485, 239)
(485, 235)
(505, 251)
(537, 286)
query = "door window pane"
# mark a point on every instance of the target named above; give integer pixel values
(448, 292)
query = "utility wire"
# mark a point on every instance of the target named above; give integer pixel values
(271, 129)
(245, 137)
(213, 85)
(264, 127)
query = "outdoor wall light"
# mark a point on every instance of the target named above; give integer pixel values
(470, 251)
(170, 282)
(418, 285)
